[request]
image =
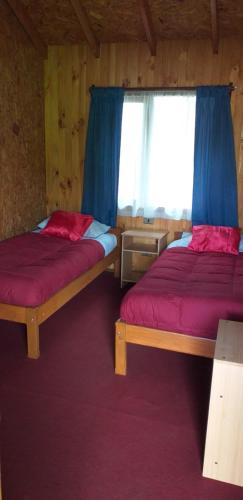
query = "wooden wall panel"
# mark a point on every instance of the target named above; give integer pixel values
(66, 101)
(22, 151)
(177, 63)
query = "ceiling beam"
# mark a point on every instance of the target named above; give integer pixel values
(148, 25)
(86, 28)
(214, 26)
(22, 15)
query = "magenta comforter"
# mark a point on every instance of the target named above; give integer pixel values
(33, 267)
(187, 292)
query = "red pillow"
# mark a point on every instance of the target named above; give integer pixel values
(67, 225)
(215, 239)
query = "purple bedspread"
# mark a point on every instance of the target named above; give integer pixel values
(187, 292)
(33, 267)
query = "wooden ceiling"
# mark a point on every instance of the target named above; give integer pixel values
(99, 21)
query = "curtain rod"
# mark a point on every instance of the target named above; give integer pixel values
(156, 89)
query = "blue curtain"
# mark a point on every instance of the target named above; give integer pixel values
(215, 184)
(101, 166)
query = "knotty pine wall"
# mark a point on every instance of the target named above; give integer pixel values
(22, 150)
(71, 70)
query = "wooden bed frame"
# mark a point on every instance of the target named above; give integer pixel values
(34, 316)
(173, 341)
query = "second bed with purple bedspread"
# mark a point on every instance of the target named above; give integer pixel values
(187, 292)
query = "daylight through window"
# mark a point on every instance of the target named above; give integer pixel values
(157, 152)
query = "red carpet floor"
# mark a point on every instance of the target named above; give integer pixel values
(72, 430)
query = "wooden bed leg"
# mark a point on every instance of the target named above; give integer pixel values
(121, 349)
(33, 344)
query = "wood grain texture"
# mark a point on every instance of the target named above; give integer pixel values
(119, 21)
(148, 25)
(22, 161)
(110, 20)
(120, 349)
(214, 25)
(71, 70)
(33, 338)
(139, 250)
(229, 346)
(224, 440)
(85, 26)
(151, 337)
(27, 24)
(65, 115)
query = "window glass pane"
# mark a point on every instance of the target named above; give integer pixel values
(131, 153)
(157, 151)
(171, 152)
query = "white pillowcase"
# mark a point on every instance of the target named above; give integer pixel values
(241, 243)
(96, 229)
(182, 242)
(43, 223)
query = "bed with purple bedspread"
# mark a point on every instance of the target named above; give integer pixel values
(187, 292)
(33, 267)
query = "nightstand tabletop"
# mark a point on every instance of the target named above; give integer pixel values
(145, 234)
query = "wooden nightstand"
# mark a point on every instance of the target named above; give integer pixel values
(139, 249)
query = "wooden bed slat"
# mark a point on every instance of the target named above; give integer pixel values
(13, 313)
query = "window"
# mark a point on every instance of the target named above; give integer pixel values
(157, 150)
